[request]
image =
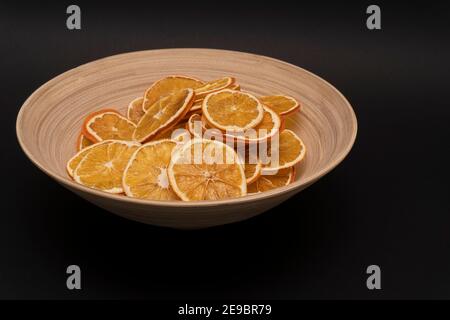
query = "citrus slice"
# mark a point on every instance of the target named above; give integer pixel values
(235, 86)
(283, 105)
(266, 183)
(213, 86)
(167, 86)
(135, 110)
(206, 170)
(163, 114)
(232, 110)
(252, 171)
(76, 159)
(267, 128)
(102, 167)
(291, 151)
(83, 142)
(145, 175)
(107, 124)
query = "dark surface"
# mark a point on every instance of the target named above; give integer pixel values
(386, 204)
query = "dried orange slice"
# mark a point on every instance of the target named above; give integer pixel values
(206, 170)
(266, 183)
(145, 176)
(135, 110)
(283, 105)
(290, 149)
(252, 171)
(232, 110)
(213, 86)
(83, 142)
(102, 167)
(163, 114)
(167, 86)
(107, 124)
(267, 128)
(76, 159)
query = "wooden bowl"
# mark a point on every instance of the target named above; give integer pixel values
(49, 122)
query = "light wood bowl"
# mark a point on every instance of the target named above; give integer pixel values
(50, 119)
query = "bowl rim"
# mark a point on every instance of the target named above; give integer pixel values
(205, 203)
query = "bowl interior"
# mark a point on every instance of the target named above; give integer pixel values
(50, 120)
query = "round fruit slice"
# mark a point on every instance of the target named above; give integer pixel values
(213, 86)
(76, 159)
(102, 167)
(107, 124)
(232, 110)
(145, 176)
(283, 105)
(269, 126)
(252, 171)
(206, 170)
(135, 111)
(167, 86)
(163, 114)
(291, 151)
(266, 183)
(83, 142)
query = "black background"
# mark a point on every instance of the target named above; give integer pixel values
(386, 204)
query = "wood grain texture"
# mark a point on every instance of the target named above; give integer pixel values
(49, 122)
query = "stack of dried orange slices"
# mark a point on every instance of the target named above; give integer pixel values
(187, 139)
